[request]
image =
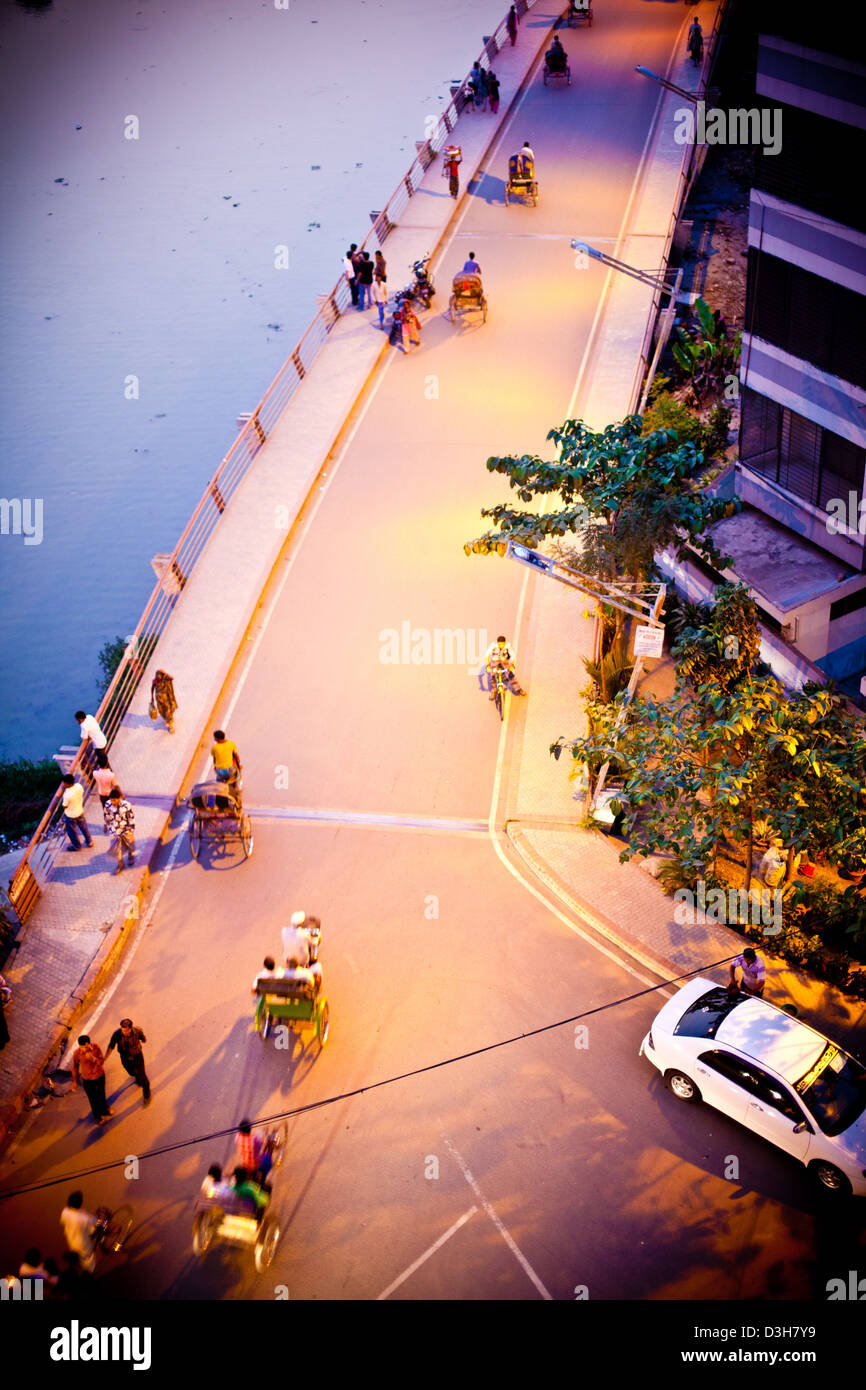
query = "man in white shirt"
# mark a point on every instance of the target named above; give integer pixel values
(753, 972)
(301, 938)
(73, 813)
(78, 1227)
(91, 730)
(269, 972)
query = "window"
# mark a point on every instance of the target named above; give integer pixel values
(811, 462)
(755, 1082)
(702, 1019)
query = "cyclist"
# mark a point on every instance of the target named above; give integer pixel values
(499, 657)
(301, 938)
(79, 1228)
(252, 1152)
(226, 759)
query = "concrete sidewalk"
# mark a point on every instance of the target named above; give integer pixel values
(86, 915)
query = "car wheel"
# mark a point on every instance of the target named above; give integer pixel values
(682, 1086)
(830, 1178)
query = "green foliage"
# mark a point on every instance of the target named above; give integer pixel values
(611, 675)
(681, 613)
(110, 658)
(714, 434)
(666, 413)
(724, 648)
(625, 495)
(704, 355)
(25, 791)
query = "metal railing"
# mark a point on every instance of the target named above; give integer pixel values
(47, 841)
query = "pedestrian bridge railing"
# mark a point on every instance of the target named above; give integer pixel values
(35, 867)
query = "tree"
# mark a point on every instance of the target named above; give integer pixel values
(626, 496)
(724, 646)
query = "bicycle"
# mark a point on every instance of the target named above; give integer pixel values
(500, 684)
(112, 1228)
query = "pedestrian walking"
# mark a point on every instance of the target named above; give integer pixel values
(226, 758)
(453, 158)
(88, 1067)
(162, 699)
(104, 779)
(365, 280)
(410, 327)
(380, 267)
(79, 1226)
(380, 299)
(493, 92)
(120, 825)
(91, 730)
(350, 266)
(511, 25)
(128, 1040)
(754, 973)
(73, 813)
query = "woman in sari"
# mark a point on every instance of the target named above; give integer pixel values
(162, 700)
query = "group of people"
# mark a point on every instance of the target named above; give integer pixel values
(300, 940)
(367, 279)
(248, 1187)
(88, 1066)
(482, 90)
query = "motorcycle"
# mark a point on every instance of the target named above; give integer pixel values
(422, 290)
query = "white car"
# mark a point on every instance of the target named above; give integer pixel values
(771, 1072)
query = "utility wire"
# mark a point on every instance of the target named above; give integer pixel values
(358, 1091)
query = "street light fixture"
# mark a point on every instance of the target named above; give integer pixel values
(663, 82)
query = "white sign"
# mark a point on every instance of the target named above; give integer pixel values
(648, 641)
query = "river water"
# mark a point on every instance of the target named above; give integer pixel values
(141, 303)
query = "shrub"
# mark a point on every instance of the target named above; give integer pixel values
(714, 434)
(668, 414)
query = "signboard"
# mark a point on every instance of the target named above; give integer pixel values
(649, 641)
(533, 558)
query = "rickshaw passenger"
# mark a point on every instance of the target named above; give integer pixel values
(555, 57)
(249, 1191)
(214, 1187)
(304, 975)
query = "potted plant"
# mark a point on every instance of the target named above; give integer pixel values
(852, 865)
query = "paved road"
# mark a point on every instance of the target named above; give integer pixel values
(523, 1171)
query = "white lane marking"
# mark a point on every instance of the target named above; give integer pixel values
(509, 1241)
(130, 954)
(377, 819)
(437, 1245)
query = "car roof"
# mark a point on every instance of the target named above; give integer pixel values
(768, 1035)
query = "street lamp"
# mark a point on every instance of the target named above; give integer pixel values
(663, 82)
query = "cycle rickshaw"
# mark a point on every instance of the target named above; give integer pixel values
(556, 66)
(218, 815)
(467, 293)
(521, 181)
(230, 1217)
(578, 12)
(295, 1004)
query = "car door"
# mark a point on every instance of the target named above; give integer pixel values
(719, 1076)
(774, 1113)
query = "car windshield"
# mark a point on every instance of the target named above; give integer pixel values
(703, 1018)
(834, 1090)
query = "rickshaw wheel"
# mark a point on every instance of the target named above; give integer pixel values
(204, 1228)
(545, 76)
(194, 836)
(451, 308)
(568, 76)
(484, 309)
(266, 1244)
(506, 195)
(323, 1022)
(277, 1137)
(264, 1022)
(247, 835)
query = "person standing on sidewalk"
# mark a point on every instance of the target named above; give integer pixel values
(88, 1067)
(380, 299)
(120, 825)
(91, 730)
(104, 779)
(511, 24)
(350, 266)
(73, 812)
(380, 267)
(78, 1228)
(493, 91)
(128, 1039)
(365, 280)
(162, 699)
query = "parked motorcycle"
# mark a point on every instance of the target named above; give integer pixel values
(422, 290)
